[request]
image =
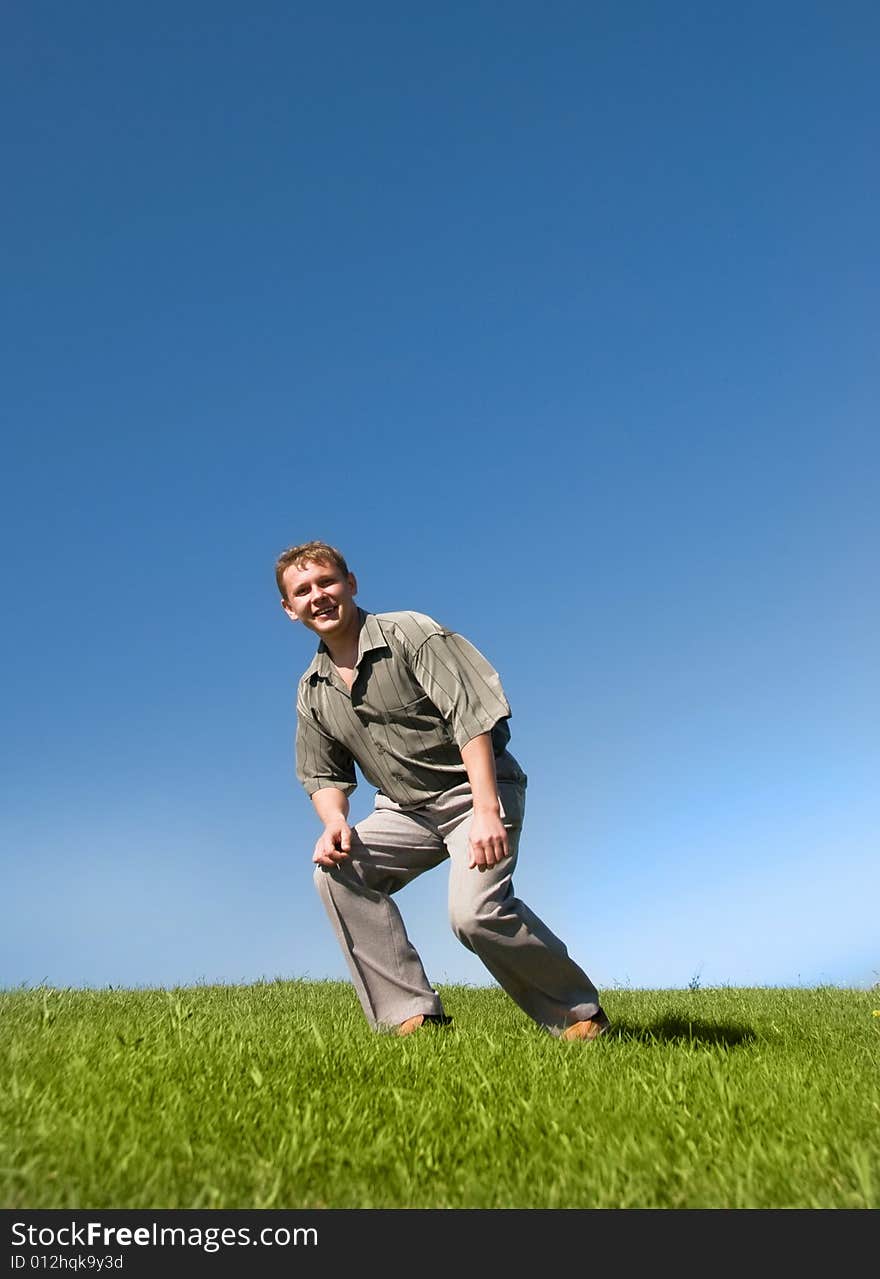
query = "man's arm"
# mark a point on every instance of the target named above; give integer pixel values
(334, 842)
(487, 842)
(467, 691)
(326, 769)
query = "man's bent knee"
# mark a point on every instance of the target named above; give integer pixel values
(466, 926)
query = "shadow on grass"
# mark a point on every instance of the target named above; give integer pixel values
(675, 1028)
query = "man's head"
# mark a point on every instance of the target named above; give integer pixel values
(314, 552)
(317, 589)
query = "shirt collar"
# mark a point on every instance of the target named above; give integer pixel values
(370, 638)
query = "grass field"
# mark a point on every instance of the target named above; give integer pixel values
(277, 1095)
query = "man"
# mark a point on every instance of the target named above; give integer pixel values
(424, 716)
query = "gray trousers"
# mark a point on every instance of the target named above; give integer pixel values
(393, 846)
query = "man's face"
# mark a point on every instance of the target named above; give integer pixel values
(322, 598)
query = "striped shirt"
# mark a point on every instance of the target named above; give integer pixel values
(421, 692)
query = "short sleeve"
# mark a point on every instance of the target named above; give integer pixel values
(321, 761)
(462, 684)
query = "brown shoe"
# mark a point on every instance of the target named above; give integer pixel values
(590, 1029)
(422, 1019)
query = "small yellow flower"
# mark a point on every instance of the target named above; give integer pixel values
(876, 1012)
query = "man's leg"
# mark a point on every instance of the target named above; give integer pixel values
(388, 850)
(522, 954)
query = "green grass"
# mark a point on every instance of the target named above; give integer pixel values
(277, 1095)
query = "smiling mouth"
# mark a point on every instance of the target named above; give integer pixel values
(325, 612)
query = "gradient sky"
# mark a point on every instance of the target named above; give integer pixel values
(560, 320)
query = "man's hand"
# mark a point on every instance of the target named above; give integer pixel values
(334, 844)
(487, 841)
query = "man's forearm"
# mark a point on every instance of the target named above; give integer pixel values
(479, 762)
(330, 803)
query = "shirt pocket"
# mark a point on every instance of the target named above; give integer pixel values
(418, 715)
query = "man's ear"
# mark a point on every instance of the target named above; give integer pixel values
(352, 583)
(288, 610)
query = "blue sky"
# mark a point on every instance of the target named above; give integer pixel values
(560, 320)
